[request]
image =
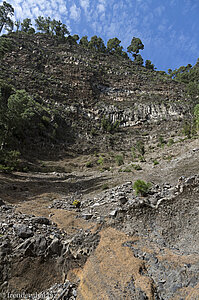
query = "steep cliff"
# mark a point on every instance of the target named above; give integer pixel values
(85, 87)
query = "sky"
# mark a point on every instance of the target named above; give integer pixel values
(169, 29)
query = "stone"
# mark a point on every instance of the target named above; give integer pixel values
(23, 231)
(5, 248)
(41, 220)
(1, 202)
(40, 244)
(55, 246)
(113, 213)
(193, 281)
(122, 200)
(87, 216)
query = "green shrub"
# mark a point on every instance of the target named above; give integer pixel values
(5, 46)
(9, 160)
(169, 157)
(142, 159)
(137, 167)
(108, 126)
(192, 89)
(155, 162)
(89, 164)
(133, 153)
(196, 114)
(105, 186)
(46, 119)
(161, 141)
(187, 129)
(128, 170)
(170, 142)
(140, 147)
(138, 151)
(76, 203)
(119, 159)
(100, 161)
(5, 169)
(16, 115)
(141, 187)
(93, 132)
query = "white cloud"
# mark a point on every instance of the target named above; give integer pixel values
(35, 11)
(75, 12)
(18, 10)
(101, 8)
(34, 8)
(85, 4)
(54, 5)
(63, 9)
(42, 6)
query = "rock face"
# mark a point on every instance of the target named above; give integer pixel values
(27, 241)
(135, 113)
(87, 86)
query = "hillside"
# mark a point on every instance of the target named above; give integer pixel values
(71, 223)
(81, 87)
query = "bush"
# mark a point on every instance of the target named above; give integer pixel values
(187, 129)
(142, 159)
(5, 169)
(196, 114)
(119, 159)
(76, 203)
(133, 153)
(136, 167)
(16, 114)
(192, 89)
(100, 161)
(141, 187)
(162, 142)
(5, 46)
(89, 164)
(93, 132)
(128, 170)
(170, 142)
(138, 150)
(108, 126)
(105, 186)
(9, 160)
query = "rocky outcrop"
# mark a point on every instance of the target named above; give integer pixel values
(162, 233)
(137, 113)
(86, 86)
(26, 239)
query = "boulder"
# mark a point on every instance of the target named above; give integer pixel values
(41, 220)
(23, 231)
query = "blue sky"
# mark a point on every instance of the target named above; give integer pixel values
(169, 29)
